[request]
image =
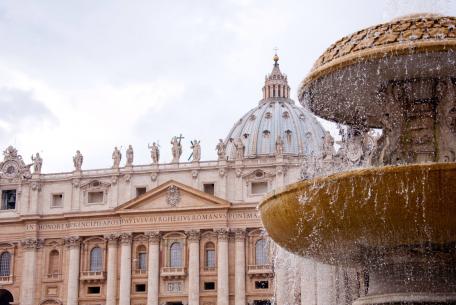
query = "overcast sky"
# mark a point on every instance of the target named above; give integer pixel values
(94, 74)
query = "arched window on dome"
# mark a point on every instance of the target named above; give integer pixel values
(54, 265)
(261, 252)
(175, 255)
(5, 264)
(96, 260)
(266, 134)
(288, 134)
(209, 255)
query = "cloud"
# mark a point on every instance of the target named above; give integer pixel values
(20, 112)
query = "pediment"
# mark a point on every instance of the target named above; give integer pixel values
(173, 195)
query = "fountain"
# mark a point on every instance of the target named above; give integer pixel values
(397, 219)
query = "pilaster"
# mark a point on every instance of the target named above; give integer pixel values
(74, 245)
(193, 238)
(222, 267)
(153, 267)
(125, 269)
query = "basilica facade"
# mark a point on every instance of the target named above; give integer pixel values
(161, 233)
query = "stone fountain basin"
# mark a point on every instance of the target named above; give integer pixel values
(359, 85)
(350, 76)
(333, 218)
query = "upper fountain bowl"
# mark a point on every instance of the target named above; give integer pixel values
(348, 81)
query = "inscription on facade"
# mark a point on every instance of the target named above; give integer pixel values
(162, 219)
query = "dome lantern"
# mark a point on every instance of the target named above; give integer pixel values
(276, 83)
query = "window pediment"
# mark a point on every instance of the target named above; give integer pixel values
(94, 185)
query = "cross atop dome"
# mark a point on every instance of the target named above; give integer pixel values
(276, 83)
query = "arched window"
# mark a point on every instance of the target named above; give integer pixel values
(5, 263)
(209, 255)
(54, 266)
(142, 258)
(96, 259)
(261, 253)
(175, 257)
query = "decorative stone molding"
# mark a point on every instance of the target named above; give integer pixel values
(112, 238)
(281, 170)
(31, 243)
(258, 174)
(173, 195)
(222, 233)
(13, 166)
(114, 179)
(222, 172)
(125, 238)
(238, 172)
(193, 235)
(239, 234)
(36, 186)
(72, 241)
(76, 183)
(142, 238)
(154, 237)
(195, 174)
(154, 176)
(127, 178)
(51, 301)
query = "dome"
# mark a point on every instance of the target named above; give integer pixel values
(276, 118)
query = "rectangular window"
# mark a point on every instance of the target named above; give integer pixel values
(57, 200)
(259, 188)
(95, 197)
(8, 199)
(209, 285)
(140, 191)
(209, 188)
(261, 284)
(93, 290)
(140, 287)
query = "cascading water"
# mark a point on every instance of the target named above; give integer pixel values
(383, 234)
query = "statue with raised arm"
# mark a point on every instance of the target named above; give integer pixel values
(221, 150)
(37, 163)
(196, 150)
(116, 157)
(154, 152)
(77, 160)
(176, 148)
(130, 155)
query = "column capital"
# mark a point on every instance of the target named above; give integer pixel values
(31, 243)
(222, 233)
(112, 239)
(125, 238)
(72, 241)
(193, 235)
(239, 234)
(154, 237)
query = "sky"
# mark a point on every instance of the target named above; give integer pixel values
(94, 74)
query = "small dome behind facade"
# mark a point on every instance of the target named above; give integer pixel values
(276, 116)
